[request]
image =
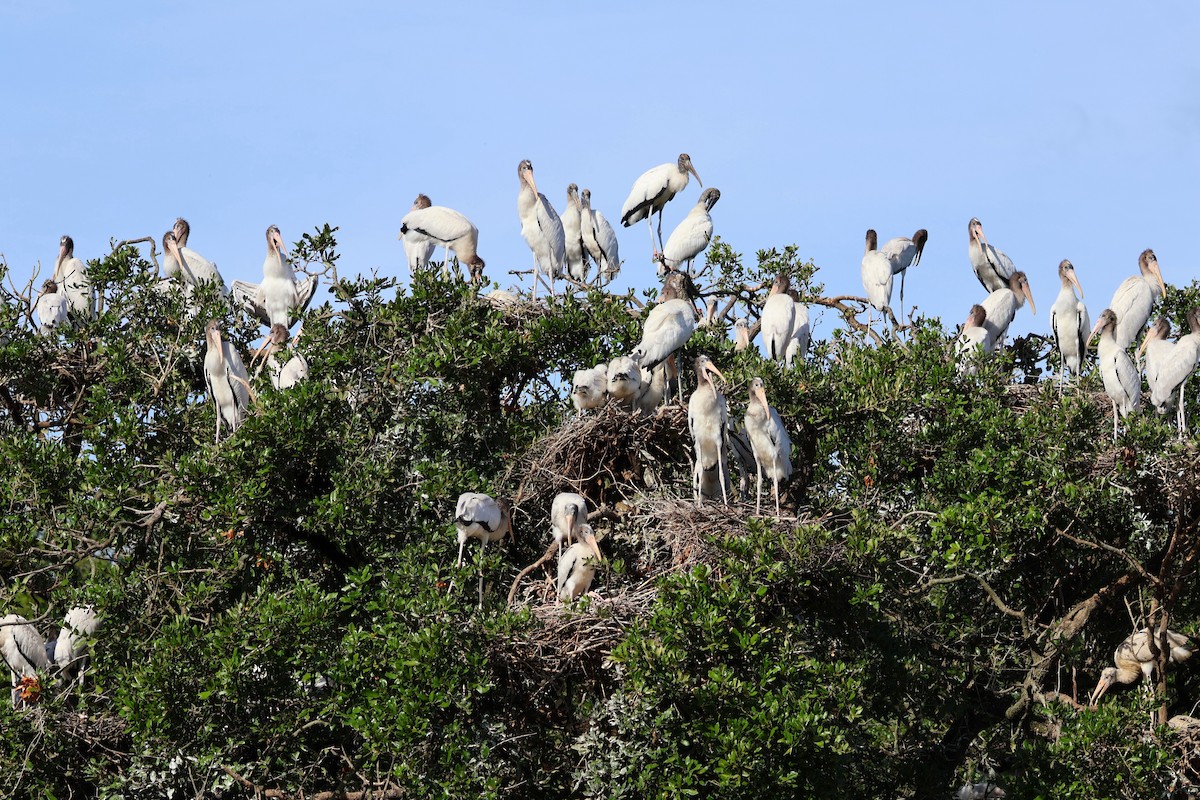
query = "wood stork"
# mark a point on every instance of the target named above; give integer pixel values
(1121, 379)
(984, 790)
(655, 387)
(575, 253)
(973, 341)
(198, 268)
(1137, 656)
(72, 648)
(70, 274)
(653, 189)
(577, 566)
(1135, 297)
(625, 380)
(876, 276)
(690, 237)
(24, 651)
(708, 416)
(589, 387)
(903, 252)
(51, 308)
(770, 441)
(1170, 364)
(993, 268)
(667, 328)
(427, 226)
(741, 335)
(778, 318)
(541, 227)
(801, 332)
(599, 239)
(567, 513)
(1002, 304)
(1070, 322)
(288, 374)
(227, 379)
(280, 296)
(419, 250)
(478, 516)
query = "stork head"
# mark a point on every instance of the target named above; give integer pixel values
(1066, 274)
(1020, 287)
(685, 166)
(1161, 329)
(872, 240)
(182, 230)
(275, 242)
(422, 201)
(170, 245)
(919, 239)
(781, 285)
(975, 231)
(66, 247)
(1106, 680)
(572, 194)
(212, 334)
(525, 174)
(1107, 321)
(975, 317)
(585, 198)
(758, 393)
(1148, 264)
(588, 537)
(1193, 319)
(705, 369)
(49, 287)
(274, 340)
(741, 333)
(709, 198)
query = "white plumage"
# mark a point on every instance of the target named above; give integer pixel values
(801, 333)
(876, 274)
(1002, 304)
(199, 269)
(71, 650)
(708, 416)
(778, 319)
(667, 328)
(1121, 379)
(770, 441)
(654, 387)
(1070, 321)
(1136, 658)
(1170, 364)
(691, 236)
(427, 226)
(418, 248)
(577, 565)
(741, 335)
(599, 239)
(575, 252)
(478, 516)
(51, 308)
(541, 227)
(903, 252)
(973, 341)
(227, 379)
(625, 380)
(24, 651)
(70, 274)
(589, 387)
(280, 296)
(992, 268)
(984, 790)
(567, 513)
(653, 189)
(1135, 297)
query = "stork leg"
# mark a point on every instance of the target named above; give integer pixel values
(775, 481)
(721, 477)
(903, 308)
(482, 547)
(217, 438)
(660, 241)
(1115, 415)
(650, 227)
(461, 542)
(757, 486)
(1180, 417)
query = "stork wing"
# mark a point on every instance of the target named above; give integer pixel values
(249, 296)
(305, 290)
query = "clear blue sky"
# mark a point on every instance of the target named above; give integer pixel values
(1072, 130)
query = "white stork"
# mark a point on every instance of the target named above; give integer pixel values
(478, 516)
(227, 379)
(778, 319)
(708, 416)
(625, 380)
(71, 649)
(198, 269)
(541, 227)
(973, 340)
(51, 308)
(1137, 656)
(24, 651)
(876, 276)
(1135, 297)
(1170, 364)
(589, 387)
(690, 237)
(280, 296)
(1121, 379)
(577, 566)
(667, 328)
(575, 252)
(770, 441)
(599, 239)
(801, 332)
(427, 226)
(902, 253)
(993, 268)
(653, 189)
(70, 273)
(1070, 322)
(567, 513)
(1002, 304)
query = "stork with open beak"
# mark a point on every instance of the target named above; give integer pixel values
(708, 416)
(577, 565)
(770, 441)
(287, 375)
(279, 297)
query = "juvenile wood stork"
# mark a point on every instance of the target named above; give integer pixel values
(50, 308)
(690, 237)
(589, 387)
(1138, 655)
(1170, 364)
(1070, 322)
(599, 239)
(1135, 298)
(198, 268)
(1002, 304)
(667, 328)
(567, 513)
(973, 341)
(770, 441)
(24, 651)
(903, 252)
(656, 385)
(288, 374)
(625, 380)
(778, 318)
(541, 227)
(992, 268)
(876, 276)
(72, 649)
(1121, 379)
(70, 274)
(708, 416)
(801, 333)
(577, 566)
(279, 297)
(427, 226)
(575, 253)
(653, 189)
(226, 377)
(741, 335)
(478, 516)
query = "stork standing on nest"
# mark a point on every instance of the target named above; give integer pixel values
(668, 326)
(708, 416)
(541, 227)
(478, 516)
(567, 513)
(589, 387)
(577, 566)
(599, 239)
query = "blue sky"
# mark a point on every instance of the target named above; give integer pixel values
(1071, 130)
